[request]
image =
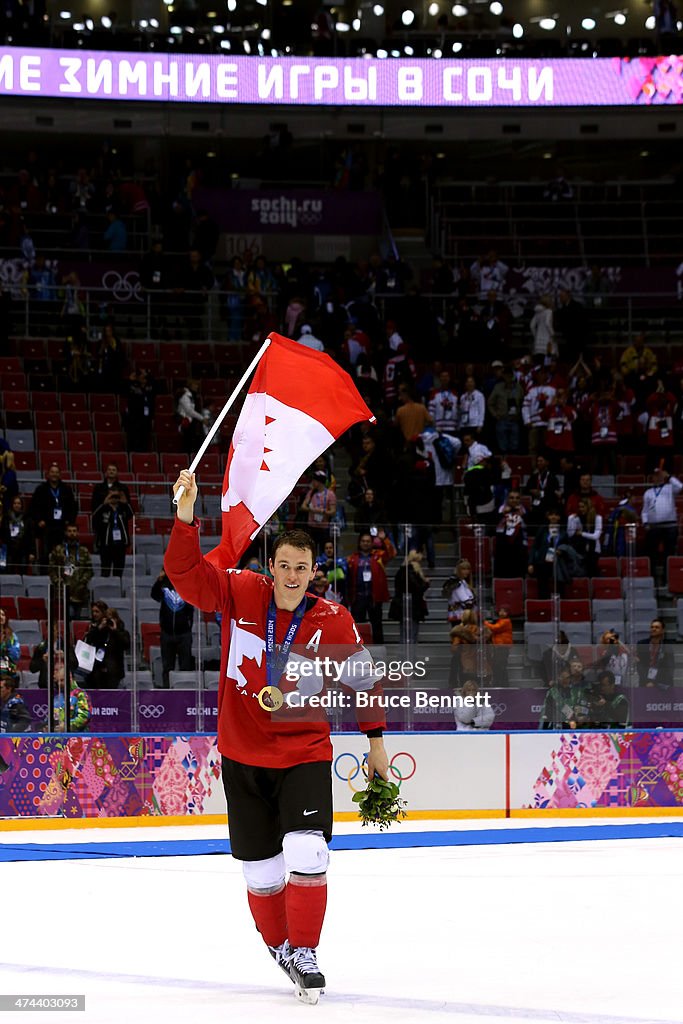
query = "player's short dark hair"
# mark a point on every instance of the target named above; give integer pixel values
(296, 539)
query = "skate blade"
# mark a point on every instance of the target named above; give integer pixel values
(309, 996)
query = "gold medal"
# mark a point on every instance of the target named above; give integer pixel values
(270, 698)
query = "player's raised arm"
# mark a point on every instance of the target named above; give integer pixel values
(185, 507)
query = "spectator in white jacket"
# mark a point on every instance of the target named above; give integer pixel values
(542, 330)
(471, 719)
(192, 421)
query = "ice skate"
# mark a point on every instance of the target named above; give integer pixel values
(305, 973)
(281, 955)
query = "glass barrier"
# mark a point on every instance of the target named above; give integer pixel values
(531, 652)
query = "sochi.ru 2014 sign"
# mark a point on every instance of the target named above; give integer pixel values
(341, 82)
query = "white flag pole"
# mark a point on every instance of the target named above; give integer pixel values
(224, 412)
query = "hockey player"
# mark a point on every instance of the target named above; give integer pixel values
(276, 768)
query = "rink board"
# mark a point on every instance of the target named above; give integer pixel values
(165, 779)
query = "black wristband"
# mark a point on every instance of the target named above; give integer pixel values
(375, 734)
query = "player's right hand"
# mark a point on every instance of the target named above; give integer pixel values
(185, 508)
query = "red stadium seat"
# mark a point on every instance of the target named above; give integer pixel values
(106, 422)
(62, 460)
(143, 351)
(78, 629)
(639, 566)
(81, 441)
(13, 381)
(608, 566)
(32, 608)
(16, 401)
(607, 588)
(152, 483)
(575, 611)
(211, 463)
(73, 403)
(151, 637)
(110, 442)
(144, 462)
(25, 461)
(538, 611)
(468, 551)
(85, 464)
(104, 403)
(165, 406)
(173, 351)
(674, 571)
(115, 455)
(171, 464)
(77, 420)
(50, 441)
(577, 590)
(45, 400)
(531, 588)
(49, 419)
(9, 606)
(509, 594)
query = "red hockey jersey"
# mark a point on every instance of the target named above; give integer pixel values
(247, 732)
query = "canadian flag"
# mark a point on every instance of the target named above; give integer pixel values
(299, 403)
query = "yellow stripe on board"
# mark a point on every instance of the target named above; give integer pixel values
(25, 824)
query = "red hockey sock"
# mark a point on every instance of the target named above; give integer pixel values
(306, 903)
(269, 913)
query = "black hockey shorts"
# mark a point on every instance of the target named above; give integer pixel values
(266, 803)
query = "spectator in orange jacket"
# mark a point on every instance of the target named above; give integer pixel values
(501, 639)
(367, 587)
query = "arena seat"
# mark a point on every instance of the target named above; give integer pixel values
(607, 588)
(49, 419)
(575, 611)
(578, 589)
(639, 566)
(674, 574)
(608, 566)
(77, 421)
(538, 610)
(104, 403)
(509, 594)
(69, 402)
(144, 462)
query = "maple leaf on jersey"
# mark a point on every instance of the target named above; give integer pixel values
(254, 675)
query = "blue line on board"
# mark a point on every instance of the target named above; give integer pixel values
(370, 841)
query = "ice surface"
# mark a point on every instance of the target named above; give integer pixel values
(571, 932)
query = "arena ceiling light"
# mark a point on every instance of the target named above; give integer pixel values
(457, 47)
(378, 10)
(382, 54)
(176, 30)
(219, 29)
(433, 10)
(342, 26)
(459, 11)
(496, 8)
(265, 34)
(619, 18)
(408, 17)
(548, 24)
(79, 26)
(588, 24)
(650, 23)
(232, 5)
(106, 21)
(226, 44)
(263, 3)
(517, 30)
(408, 51)
(355, 24)
(65, 15)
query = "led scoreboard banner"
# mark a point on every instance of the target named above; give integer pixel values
(371, 82)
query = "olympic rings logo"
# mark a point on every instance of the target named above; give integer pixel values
(404, 770)
(151, 710)
(40, 710)
(124, 288)
(499, 709)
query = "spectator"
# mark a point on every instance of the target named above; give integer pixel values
(10, 646)
(116, 235)
(660, 516)
(70, 564)
(411, 416)
(175, 619)
(110, 482)
(544, 489)
(111, 526)
(110, 640)
(236, 286)
(52, 506)
(609, 709)
(511, 553)
(459, 592)
(466, 639)
(585, 492)
(443, 405)
(371, 512)
(320, 505)
(14, 715)
(334, 574)
(620, 518)
(584, 529)
(565, 706)
(475, 453)
(9, 487)
(604, 438)
(308, 339)
(367, 588)
(16, 536)
(658, 417)
(612, 656)
(80, 708)
(500, 631)
(571, 321)
(559, 419)
(472, 409)
(205, 236)
(109, 360)
(539, 395)
(322, 587)
(478, 489)
(638, 363)
(553, 562)
(655, 659)
(411, 579)
(505, 406)
(471, 719)
(139, 414)
(39, 656)
(441, 450)
(557, 658)
(191, 420)
(542, 329)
